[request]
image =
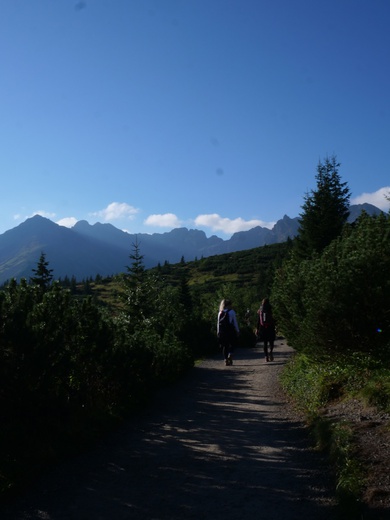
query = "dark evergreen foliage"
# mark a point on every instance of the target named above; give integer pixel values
(339, 301)
(43, 275)
(325, 210)
(67, 359)
(65, 362)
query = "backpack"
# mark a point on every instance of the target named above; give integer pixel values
(267, 320)
(225, 328)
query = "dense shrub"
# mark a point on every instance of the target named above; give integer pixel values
(339, 300)
(67, 364)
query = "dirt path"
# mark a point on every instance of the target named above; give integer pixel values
(221, 444)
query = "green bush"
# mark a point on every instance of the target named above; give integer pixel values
(311, 384)
(339, 302)
(376, 390)
(68, 367)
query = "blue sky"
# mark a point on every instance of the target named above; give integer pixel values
(207, 114)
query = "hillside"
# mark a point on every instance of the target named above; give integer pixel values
(86, 251)
(247, 273)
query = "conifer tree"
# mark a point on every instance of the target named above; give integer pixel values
(43, 275)
(184, 293)
(135, 284)
(137, 267)
(325, 210)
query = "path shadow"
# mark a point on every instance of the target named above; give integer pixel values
(217, 445)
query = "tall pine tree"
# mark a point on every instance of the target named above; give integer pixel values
(43, 275)
(325, 210)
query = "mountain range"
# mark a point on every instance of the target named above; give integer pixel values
(85, 250)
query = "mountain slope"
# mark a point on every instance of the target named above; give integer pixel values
(67, 252)
(88, 250)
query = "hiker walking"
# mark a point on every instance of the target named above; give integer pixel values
(266, 328)
(227, 330)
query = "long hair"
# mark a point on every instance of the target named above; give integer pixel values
(265, 305)
(224, 303)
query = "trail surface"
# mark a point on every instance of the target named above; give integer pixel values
(220, 444)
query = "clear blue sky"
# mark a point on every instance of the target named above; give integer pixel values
(207, 114)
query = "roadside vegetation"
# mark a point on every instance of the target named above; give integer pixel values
(76, 358)
(332, 302)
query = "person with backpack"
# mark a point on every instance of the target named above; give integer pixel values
(266, 328)
(227, 330)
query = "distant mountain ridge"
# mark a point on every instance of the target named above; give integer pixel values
(102, 249)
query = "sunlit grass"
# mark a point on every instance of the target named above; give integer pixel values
(312, 385)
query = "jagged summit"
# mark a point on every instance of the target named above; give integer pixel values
(87, 250)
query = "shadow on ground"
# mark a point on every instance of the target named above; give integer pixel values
(219, 444)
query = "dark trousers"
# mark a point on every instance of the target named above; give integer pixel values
(227, 347)
(268, 338)
(271, 347)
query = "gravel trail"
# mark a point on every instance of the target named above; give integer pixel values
(220, 444)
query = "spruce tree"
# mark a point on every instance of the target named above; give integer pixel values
(43, 275)
(135, 286)
(325, 210)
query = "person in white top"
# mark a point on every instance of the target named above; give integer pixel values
(227, 330)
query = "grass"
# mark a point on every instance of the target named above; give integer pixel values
(312, 385)
(336, 439)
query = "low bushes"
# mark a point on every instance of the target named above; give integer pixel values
(69, 369)
(338, 302)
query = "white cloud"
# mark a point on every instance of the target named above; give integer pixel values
(44, 214)
(377, 198)
(67, 222)
(229, 226)
(115, 211)
(168, 220)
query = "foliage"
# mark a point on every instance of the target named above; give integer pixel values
(313, 384)
(155, 312)
(376, 389)
(337, 440)
(310, 384)
(68, 363)
(325, 210)
(43, 275)
(339, 301)
(245, 277)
